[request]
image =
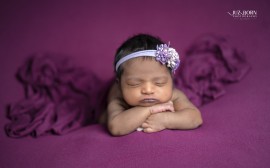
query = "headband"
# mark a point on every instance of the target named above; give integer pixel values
(164, 54)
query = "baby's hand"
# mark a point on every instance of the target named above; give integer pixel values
(155, 123)
(158, 108)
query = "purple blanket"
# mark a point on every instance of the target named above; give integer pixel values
(60, 97)
(235, 132)
(210, 64)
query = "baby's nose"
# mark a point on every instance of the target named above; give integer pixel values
(147, 88)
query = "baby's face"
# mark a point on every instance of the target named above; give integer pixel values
(146, 82)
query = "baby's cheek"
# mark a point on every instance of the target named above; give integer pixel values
(166, 95)
(130, 96)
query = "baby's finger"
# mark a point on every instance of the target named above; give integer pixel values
(145, 125)
(148, 130)
(156, 109)
(162, 108)
(169, 107)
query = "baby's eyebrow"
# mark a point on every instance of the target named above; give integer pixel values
(134, 79)
(160, 78)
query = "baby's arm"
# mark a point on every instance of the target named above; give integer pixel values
(186, 116)
(121, 121)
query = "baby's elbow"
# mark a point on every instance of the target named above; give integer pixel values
(197, 121)
(114, 130)
(194, 119)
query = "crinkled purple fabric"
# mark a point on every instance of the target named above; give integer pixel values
(60, 97)
(209, 65)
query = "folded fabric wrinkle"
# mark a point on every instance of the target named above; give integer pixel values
(59, 97)
(210, 64)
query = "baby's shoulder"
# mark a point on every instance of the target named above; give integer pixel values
(115, 97)
(114, 92)
(178, 95)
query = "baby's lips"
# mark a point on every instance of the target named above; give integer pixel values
(150, 101)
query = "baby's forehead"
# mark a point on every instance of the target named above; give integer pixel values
(144, 67)
(142, 63)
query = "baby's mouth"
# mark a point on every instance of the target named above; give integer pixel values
(149, 101)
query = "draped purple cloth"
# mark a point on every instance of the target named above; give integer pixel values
(209, 65)
(60, 97)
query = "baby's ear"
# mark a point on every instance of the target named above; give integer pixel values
(118, 82)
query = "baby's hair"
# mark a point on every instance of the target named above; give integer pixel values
(135, 43)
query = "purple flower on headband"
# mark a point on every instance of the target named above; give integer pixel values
(168, 56)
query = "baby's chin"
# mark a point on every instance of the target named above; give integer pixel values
(147, 104)
(142, 104)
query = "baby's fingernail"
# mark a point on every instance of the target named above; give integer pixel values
(140, 129)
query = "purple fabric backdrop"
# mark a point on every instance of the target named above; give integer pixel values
(236, 126)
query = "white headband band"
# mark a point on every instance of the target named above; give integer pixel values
(150, 53)
(164, 54)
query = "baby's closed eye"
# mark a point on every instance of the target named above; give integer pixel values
(134, 84)
(161, 81)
